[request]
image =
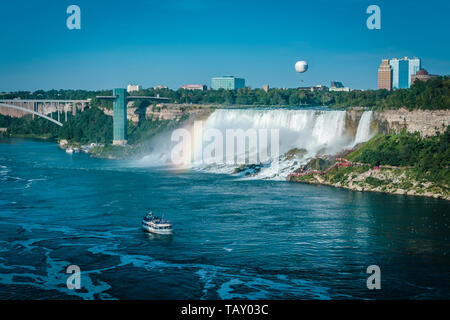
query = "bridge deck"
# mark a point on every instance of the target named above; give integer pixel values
(42, 101)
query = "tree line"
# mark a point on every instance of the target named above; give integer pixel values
(433, 94)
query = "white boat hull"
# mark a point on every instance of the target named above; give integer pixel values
(157, 231)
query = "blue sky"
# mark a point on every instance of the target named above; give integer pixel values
(176, 42)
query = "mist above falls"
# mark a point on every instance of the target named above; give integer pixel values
(302, 134)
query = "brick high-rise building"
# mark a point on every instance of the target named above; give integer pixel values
(385, 75)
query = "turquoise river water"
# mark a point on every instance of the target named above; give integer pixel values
(233, 238)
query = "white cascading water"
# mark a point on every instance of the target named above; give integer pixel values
(312, 131)
(363, 133)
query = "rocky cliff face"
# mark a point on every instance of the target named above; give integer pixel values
(426, 122)
(352, 119)
(164, 111)
(176, 111)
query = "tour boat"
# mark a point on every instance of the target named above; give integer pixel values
(154, 224)
(69, 150)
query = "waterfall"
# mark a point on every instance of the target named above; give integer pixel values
(302, 135)
(363, 133)
(309, 131)
(312, 130)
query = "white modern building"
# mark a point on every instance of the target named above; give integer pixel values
(134, 88)
(338, 86)
(344, 89)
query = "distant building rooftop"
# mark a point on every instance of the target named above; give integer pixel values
(228, 77)
(134, 88)
(422, 75)
(336, 84)
(201, 87)
(422, 72)
(318, 87)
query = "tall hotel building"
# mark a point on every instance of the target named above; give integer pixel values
(400, 70)
(385, 75)
(414, 66)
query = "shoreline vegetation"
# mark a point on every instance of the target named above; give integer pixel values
(403, 163)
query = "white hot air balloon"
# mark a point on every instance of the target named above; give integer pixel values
(301, 66)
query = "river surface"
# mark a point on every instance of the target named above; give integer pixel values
(233, 238)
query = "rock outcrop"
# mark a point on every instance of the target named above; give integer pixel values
(426, 122)
(387, 180)
(164, 111)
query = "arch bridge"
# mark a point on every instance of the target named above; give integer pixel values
(41, 108)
